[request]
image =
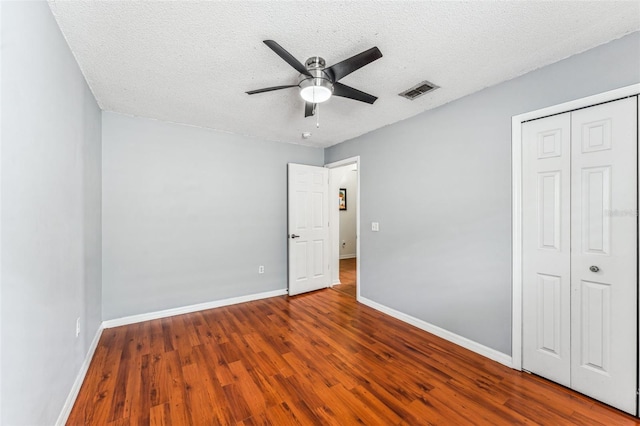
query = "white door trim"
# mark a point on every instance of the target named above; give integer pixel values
(516, 185)
(0, 211)
(351, 160)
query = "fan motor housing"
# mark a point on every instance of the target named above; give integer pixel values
(315, 62)
(315, 65)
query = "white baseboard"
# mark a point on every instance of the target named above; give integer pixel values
(117, 322)
(75, 389)
(336, 283)
(476, 347)
(347, 256)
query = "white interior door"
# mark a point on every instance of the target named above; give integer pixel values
(546, 247)
(604, 253)
(308, 188)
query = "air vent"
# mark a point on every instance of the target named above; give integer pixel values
(418, 90)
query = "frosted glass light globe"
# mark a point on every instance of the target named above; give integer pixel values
(315, 94)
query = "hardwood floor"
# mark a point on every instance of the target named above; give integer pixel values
(347, 277)
(314, 359)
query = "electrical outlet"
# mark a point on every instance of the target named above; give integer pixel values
(78, 327)
(261, 269)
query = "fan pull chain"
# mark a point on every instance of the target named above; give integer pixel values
(317, 116)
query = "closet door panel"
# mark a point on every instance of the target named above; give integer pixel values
(546, 247)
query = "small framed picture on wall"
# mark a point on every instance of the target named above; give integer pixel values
(342, 200)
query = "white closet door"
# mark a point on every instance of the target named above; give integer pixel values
(580, 250)
(604, 253)
(546, 247)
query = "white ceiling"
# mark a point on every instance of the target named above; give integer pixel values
(191, 62)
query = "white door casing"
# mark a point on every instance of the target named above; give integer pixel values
(546, 247)
(603, 234)
(334, 231)
(308, 228)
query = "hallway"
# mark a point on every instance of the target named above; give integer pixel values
(347, 277)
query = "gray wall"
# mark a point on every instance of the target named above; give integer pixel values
(51, 207)
(440, 186)
(189, 214)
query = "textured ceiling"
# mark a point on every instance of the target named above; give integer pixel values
(191, 62)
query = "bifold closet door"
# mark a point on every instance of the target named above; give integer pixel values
(579, 245)
(604, 252)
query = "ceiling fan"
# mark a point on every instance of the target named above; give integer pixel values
(317, 83)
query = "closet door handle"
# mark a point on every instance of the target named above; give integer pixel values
(594, 268)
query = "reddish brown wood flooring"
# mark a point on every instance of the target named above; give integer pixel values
(314, 359)
(347, 277)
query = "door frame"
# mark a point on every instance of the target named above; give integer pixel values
(516, 200)
(1, 210)
(334, 218)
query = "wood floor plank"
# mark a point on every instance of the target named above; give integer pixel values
(314, 359)
(180, 403)
(197, 395)
(141, 412)
(281, 414)
(160, 415)
(249, 388)
(215, 392)
(101, 381)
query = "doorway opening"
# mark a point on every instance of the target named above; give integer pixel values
(344, 217)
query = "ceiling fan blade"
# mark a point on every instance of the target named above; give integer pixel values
(288, 57)
(345, 91)
(269, 89)
(309, 109)
(346, 67)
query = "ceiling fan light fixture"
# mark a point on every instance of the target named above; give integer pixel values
(317, 83)
(316, 90)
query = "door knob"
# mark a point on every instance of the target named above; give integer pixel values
(295, 236)
(594, 268)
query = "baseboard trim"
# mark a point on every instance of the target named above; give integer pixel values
(117, 322)
(75, 389)
(336, 283)
(347, 256)
(476, 347)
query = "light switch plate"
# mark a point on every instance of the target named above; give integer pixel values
(375, 226)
